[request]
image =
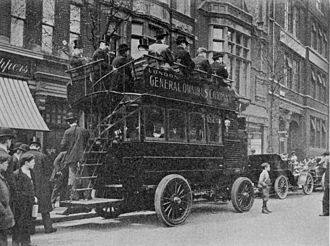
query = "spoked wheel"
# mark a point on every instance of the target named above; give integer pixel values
(309, 185)
(242, 194)
(173, 200)
(108, 212)
(281, 187)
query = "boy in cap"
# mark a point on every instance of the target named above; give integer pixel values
(325, 200)
(264, 183)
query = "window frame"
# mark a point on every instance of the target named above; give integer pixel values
(185, 140)
(154, 139)
(208, 133)
(189, 128)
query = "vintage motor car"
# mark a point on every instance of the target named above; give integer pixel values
(284, 174)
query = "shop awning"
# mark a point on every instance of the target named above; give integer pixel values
(17, 107)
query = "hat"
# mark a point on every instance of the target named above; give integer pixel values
(160, 33)
(77, 44)
(35, 140)
(181, 39)
(264, 164)
(123, 47)
(143, 43)
(216, 55)
(6, 132)
(105, 39)
(326, 153)
(24, 148)
(16, 145)
(201, 49)
(70, 116)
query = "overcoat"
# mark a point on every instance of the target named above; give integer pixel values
(6, 215)
(23, 201)
(42, 172)
(182, 56)
(74, 142)
(203, 64)
(159, 49)
(9, 173)
(220, 69)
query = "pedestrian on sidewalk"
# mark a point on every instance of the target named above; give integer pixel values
(59, 178)
(325, 200)
(6, 214)
(43, 190)
(23, 201)
(19, 149)
(264, 184)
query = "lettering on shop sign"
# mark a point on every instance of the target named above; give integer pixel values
(9, 64)
(171, 85)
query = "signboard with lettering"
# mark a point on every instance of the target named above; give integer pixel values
(173, 85)
(15, 65)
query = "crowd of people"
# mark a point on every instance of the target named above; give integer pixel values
(118, 65)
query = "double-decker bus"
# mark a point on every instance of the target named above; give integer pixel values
(160, 140)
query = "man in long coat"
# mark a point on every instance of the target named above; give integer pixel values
(183, 56)
(74, 142)
(6, 214)
(42, 173)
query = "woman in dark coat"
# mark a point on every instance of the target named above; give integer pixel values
(6, 214)
(23, 201)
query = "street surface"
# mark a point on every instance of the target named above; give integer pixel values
(294, 221)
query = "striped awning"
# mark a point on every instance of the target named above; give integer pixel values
(17, 107)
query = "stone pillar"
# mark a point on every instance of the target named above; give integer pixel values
(5, 20)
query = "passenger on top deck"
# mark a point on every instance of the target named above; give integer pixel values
(201, 62)
(219, 67)
(103, 52)
(183, 56)
(161, 50)
(124, 75)
(77, 58)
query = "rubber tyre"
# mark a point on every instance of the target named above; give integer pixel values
(309, 185)
(281, 187)
(173, 200)
(242, 194)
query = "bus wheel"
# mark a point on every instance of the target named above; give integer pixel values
(108, 211)
(309, 185)
(173, 200)
(242, 194)
(281, 187)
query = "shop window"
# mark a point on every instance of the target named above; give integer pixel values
(176, 125)
(196, 127)
(18, 15)
(55, 112)
(132, 127)
(214, 129)
(154, 123)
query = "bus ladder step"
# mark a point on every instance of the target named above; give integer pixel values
(87, 177)
(83, 189)
(91, 164)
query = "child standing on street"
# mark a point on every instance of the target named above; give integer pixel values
(264, 183)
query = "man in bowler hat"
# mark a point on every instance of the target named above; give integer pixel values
(42, 172)
(264, 184)
(218, 66)
(325, 200)
(162, 50)
(74, 142)
(123, 75)
(183, 56)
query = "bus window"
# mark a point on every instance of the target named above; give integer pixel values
(176, 125)
(196, 127)
(214, 129)
(132, 125)
(154, 123)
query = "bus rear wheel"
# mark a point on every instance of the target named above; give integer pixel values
(173, 200)
(242, 194)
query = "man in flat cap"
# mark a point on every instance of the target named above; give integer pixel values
(325, 200)
(201, 62)
(264, 184)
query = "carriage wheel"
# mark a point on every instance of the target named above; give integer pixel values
(309, 185)
(281, 187)
(108, 211)
(242, 194)
(173, 200)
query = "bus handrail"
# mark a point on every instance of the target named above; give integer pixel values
(82, 66)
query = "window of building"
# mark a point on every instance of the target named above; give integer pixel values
(318, 133)
(320, 41)
(238, 74)
(155, 123)
(183, 6)
(55, 113)
(176, 125)
(289, 73)
(296, 75)
(290, 20)
(325, 44)
(196, 127)
(132, 124)
(214, 129)
(320, 5)
(314, 37)
(218, 39)
(324, 135)
(18, 15)
(313, 84)
(48, 20)
(75, 22)
(312, 132)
